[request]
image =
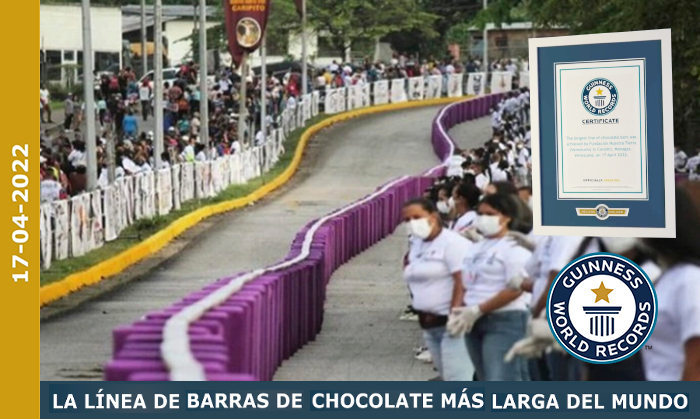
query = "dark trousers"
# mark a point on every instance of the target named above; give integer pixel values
(68, 121)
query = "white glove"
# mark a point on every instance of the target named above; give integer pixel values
(539, 339)
(516, 281)
(472, 235)
(462, 320)
(528, 347)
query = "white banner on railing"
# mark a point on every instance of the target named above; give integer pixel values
(355, 96)
(112, 206)
(45, 232)
(381, 92)
(415, 88)
(501, 81)
(308, 105)
(366, 95)
(300, 114)
(187, 183)
(434, 89)
(175, 182)
(524, 79)
(454, 85)
(164, 191)
(61, 232)
(79, 225)
(329, 104)
(315, 97)
(97, 226)
(476, 83)
(398, 91)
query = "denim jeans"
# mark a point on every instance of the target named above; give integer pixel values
(449, 354)
(489, 341)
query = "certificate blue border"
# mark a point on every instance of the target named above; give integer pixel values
(560, 143)
(556, 212)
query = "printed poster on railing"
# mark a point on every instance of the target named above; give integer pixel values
(97, 227)
(61, 233)
(476, 84)
(454, 85)
(602, 135)
(415, 88)
(381, 92)
(434, 88)
(501, 81)
(398, 91)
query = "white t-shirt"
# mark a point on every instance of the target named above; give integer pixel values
(430, 268)
(692, 163)
(201, 156)
(465, 221)
(144, 93)
(50, 190)
(536, 266)
(678, 321)
(486, 271)
(499, 175)
(76, 158)
(454, 165)
(481, 181)
(679, 159)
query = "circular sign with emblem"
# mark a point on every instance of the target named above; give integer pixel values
(248, 32)
(599, 97)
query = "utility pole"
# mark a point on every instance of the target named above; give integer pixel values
(242, 108)
(486, 45)
(304, 51)
(144, 40)
(89, 92)
(203, 71)
(263, 87)
(158, 80)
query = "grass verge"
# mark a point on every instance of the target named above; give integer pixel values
(142, 229)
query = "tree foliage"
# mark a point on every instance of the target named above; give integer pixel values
(363, 20)
(600, 16)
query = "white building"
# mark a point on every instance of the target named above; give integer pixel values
(61, 40)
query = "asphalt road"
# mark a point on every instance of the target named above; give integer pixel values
(362, 338)
(344, 163)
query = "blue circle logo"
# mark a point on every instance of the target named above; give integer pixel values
(599, 97)
(602, 308)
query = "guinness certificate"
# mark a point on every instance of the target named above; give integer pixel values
(601, 130)
(602, 135)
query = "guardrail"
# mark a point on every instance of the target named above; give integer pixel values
(245, 326)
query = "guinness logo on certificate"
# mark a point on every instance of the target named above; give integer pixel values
(599, 96)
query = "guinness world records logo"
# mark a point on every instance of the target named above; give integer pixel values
(599, 96)
(602, 308)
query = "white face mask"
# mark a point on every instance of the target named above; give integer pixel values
(443, 207)
(488, 225)
(451, 203)
(619, 244)
(419, 228)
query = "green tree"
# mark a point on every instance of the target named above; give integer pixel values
(600, 16)
(361, 21)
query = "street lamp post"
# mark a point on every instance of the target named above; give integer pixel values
(89, 92)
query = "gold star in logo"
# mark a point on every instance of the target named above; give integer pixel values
(599, 91)
(601, 293)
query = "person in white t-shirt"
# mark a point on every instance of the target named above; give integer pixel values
(679, 158)
(693, 163)
(676, 337)
(481, 178)
(454, 164)
(495, 316)
(433, 274)
(466, 198)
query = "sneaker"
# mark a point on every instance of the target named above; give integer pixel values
(424, 357)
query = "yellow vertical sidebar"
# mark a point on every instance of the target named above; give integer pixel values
(19, 179)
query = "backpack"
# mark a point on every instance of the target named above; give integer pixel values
(114, 83)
